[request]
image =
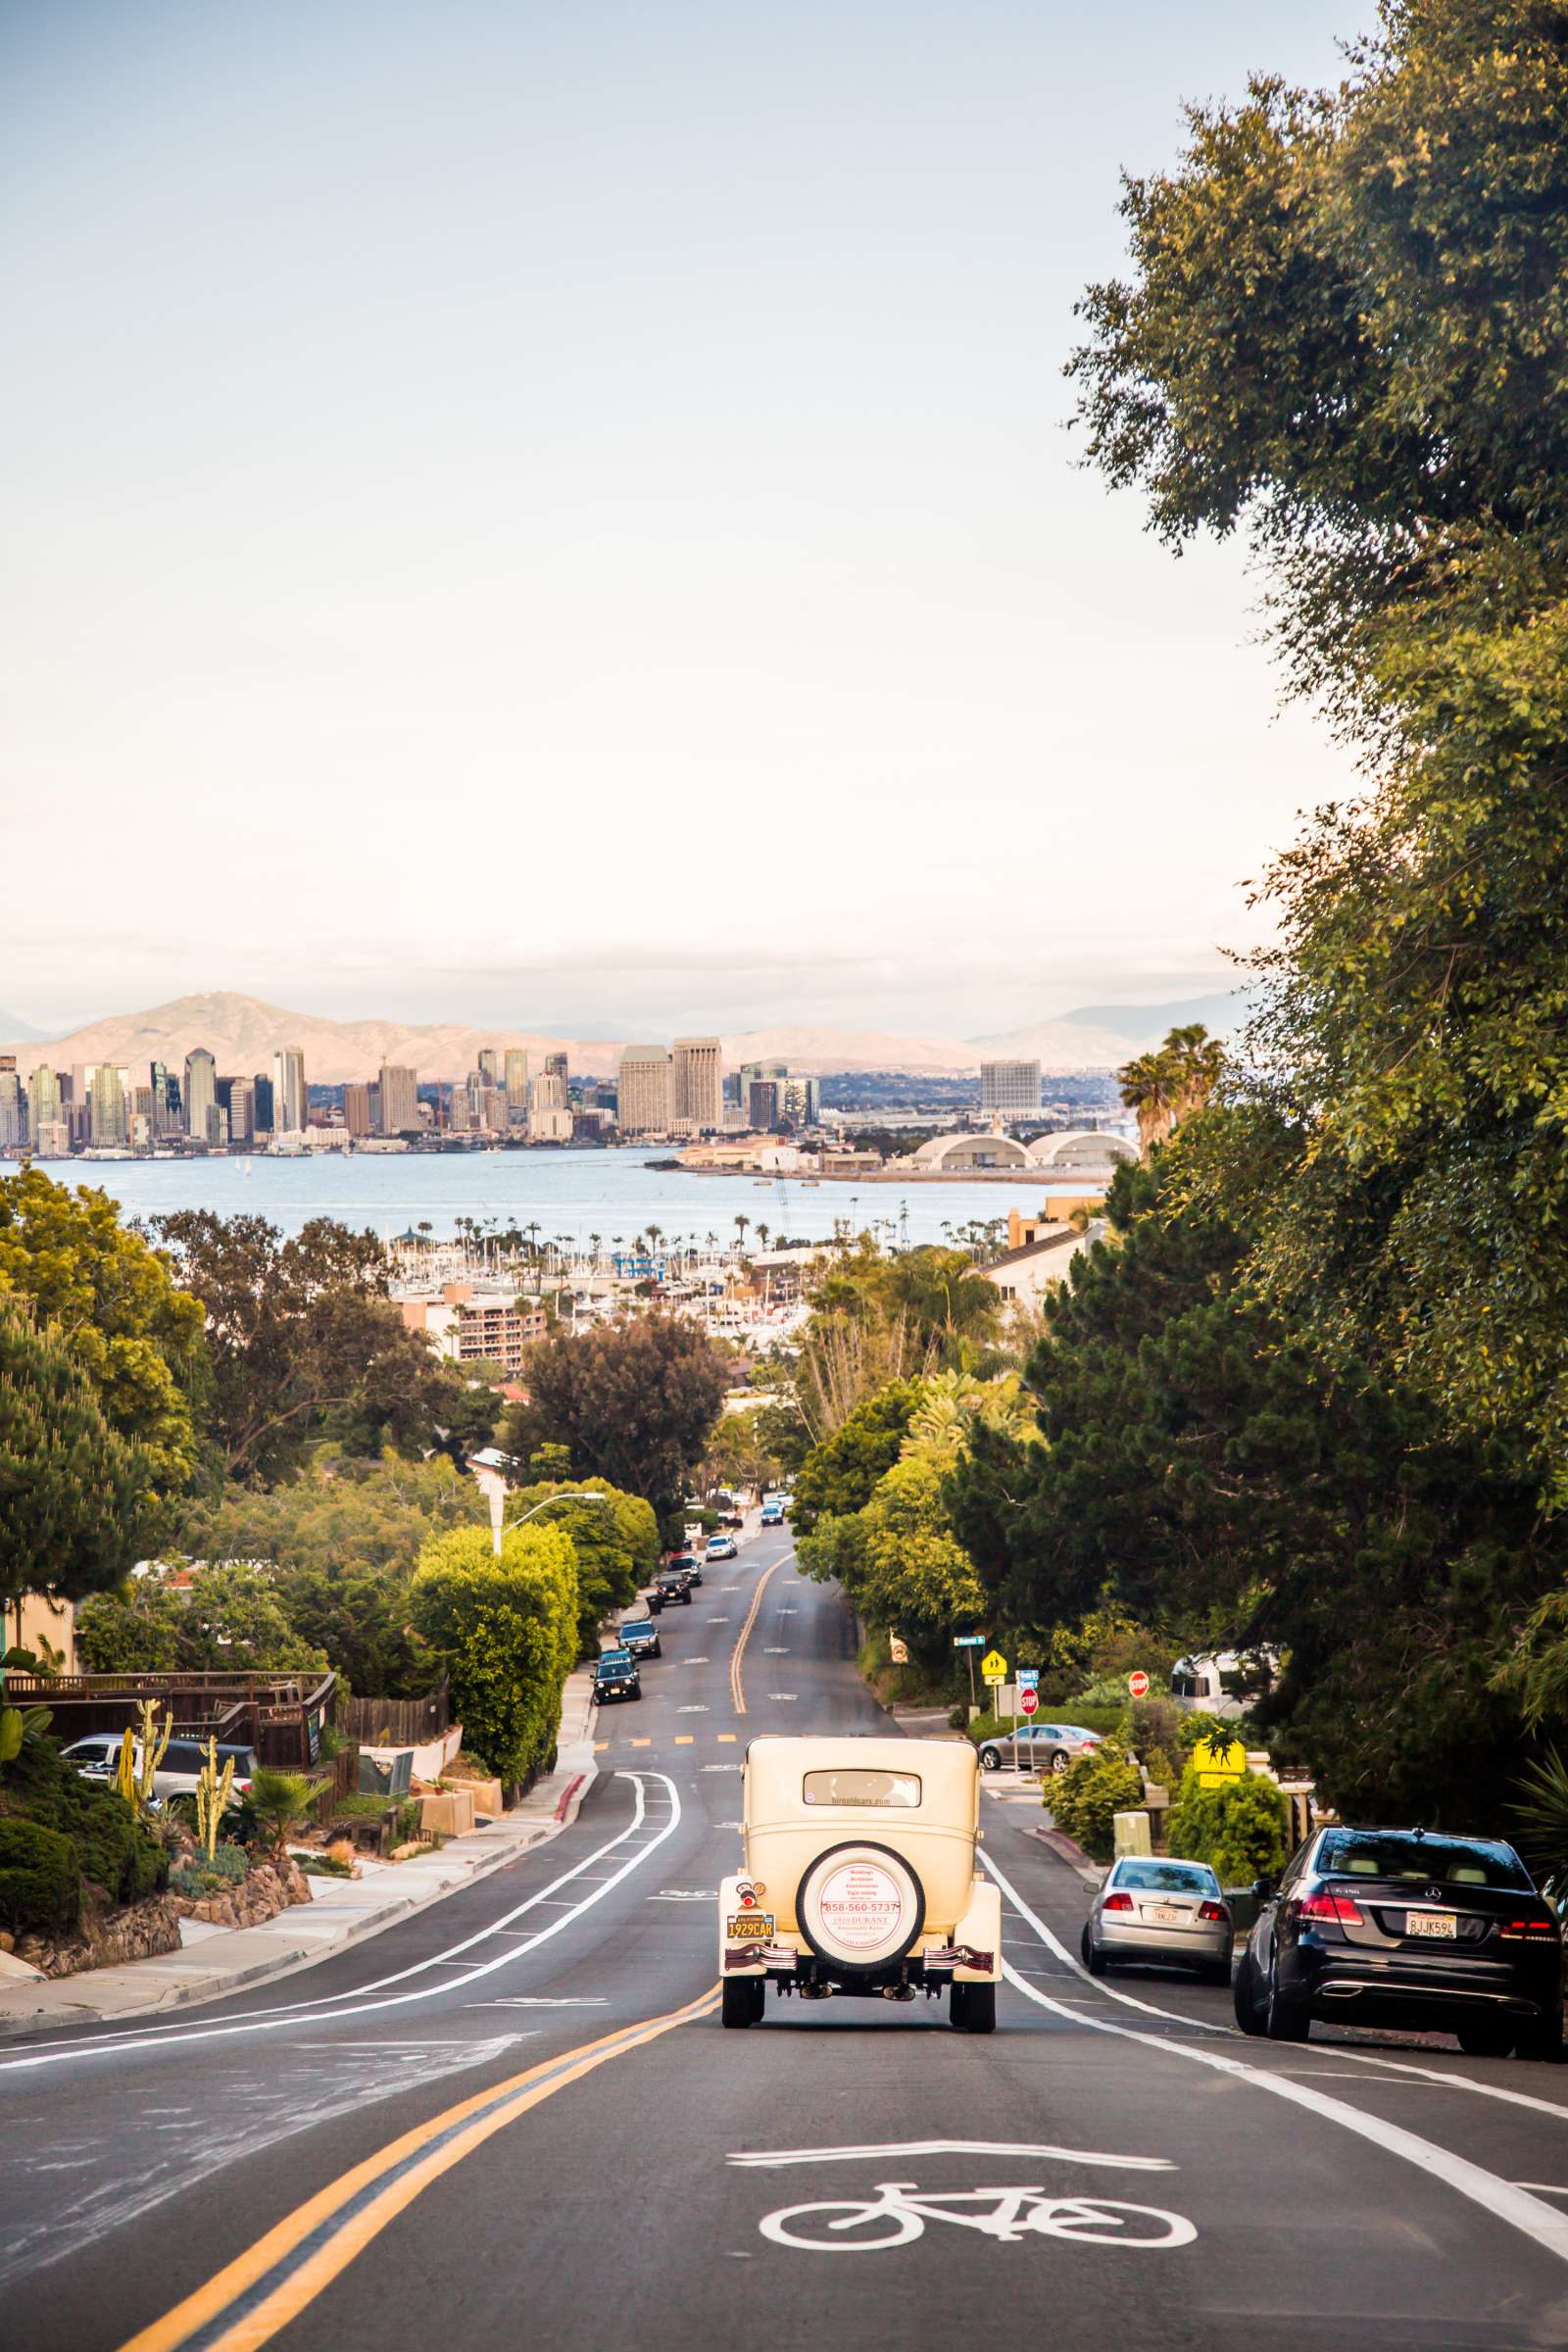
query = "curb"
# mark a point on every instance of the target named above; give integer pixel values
(1067, 1850)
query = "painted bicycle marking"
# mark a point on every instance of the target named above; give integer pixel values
(896, 2213)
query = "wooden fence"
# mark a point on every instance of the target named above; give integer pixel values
(397, 1721)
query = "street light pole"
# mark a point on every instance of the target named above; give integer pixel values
(498, 1505)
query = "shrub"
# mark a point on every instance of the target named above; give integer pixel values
(1240, 1828)
(112, 1850)
(1084, 1799)
(506, 1630)
(40, 1877)
(1150, 1722)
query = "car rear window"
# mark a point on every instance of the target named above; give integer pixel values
(855, 1785)
(185, 1756)
(1446, 1861)
(1167, 1878)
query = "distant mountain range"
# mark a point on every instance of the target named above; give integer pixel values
(21, 1032)
(243, 1033)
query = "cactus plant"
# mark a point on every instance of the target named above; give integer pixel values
(142, 1751)
(213, 1791)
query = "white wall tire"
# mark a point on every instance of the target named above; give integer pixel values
(860, 1905)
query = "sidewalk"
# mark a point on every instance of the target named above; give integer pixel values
(342, 1911)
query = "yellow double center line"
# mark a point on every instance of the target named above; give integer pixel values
(736, 1690)
(247, 2302)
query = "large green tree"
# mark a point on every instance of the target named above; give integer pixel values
(113, 1302)
(1201, 1463)
(632, 1402)
(841, 1474)
(78, 1500)
(304, 1339)
(506, 1632)
(1346, 329)
(616, 1542)
(229, 1620)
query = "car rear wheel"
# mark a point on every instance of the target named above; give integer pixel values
(1244, 1997)
(1285, 2019)
(1484, 2040)
(973, 2009)
(1094, 1958)
(1543, 2042)
(744, 2001)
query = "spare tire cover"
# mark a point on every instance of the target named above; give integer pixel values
(860, 1905)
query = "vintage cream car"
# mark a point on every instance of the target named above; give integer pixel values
(859, 1877)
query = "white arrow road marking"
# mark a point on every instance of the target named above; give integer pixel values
(1499, 2197)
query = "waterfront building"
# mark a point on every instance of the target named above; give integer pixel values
(13, 1106)
(400, 1099)
(105, 1094)
(291, 1104)
(697, 1085)
(241, 1107)
(357, 1109)
(643, 1090)
(200, 1091)
(44, 1106)
(1010, 1090)
(517, 1082)
(470, 1324)
(51, 1138)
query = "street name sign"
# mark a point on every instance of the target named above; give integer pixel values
(1028, 1678)
(968, 1640)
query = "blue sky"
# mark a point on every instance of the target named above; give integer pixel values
(563, 515)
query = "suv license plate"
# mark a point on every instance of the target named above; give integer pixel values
(1441, 1923)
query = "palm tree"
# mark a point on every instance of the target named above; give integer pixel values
(762, 1233)
(1166, 1086)
(741, 1224)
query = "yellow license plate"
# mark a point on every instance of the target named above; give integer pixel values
(743, 1926)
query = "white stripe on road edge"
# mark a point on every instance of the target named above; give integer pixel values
(1502, 2199)
(326, 2009)
(1372, 2058)
(952, 2147)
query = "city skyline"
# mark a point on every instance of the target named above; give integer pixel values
(598, 475)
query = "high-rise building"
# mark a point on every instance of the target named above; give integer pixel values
(556, 1067)
(357, 1109)
(643, 1090)
(800, 1103)
(290, 1102)
(13, 1105)
(489, 1065)
(261, 1106)
(106, 1093)
(241, 1108)
(763, 1111)
(165, 1119)
(400, 1099)
(697, 1085)
(44, 1106)
(517, 1082)
(200, 1091)
(1010, 1090)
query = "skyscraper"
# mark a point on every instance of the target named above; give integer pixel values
(12, 1102)
(163, 1120)
(200, 1092)
(107, 1095)
(238, 1096)
(400, 1099)
(489, 1065)
(643, 1090)
(357, 1109)
(696, 1084)
(290, 1102)
(261, 1103)
(1010, 1090)
(517, 1082)
(556, 1067)
(43, 1102)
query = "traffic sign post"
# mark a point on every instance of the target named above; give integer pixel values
(1028, 1698)
(969, 1643)
(1138, 1683)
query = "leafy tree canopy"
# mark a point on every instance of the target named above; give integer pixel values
(506, 1632)
(113, 1302)
(230, 1620)
(632, 1402)
(841, 1474)
(617, 1543)
(78, 1500)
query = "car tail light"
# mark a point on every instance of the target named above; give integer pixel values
(1337, 1907)
(1215, 1911)
(1117, 1902)
(1530, 1931)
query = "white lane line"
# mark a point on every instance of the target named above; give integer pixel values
(326, 2008)
(1500, 2198)
(772, 2158)
(1373, 2058)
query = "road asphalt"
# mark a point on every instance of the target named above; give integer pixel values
(514, 2119)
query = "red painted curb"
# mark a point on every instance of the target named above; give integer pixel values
(568, 1793)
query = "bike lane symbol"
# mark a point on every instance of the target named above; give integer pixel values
(896, 2213)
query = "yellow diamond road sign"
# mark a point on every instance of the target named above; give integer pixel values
(994, 1666)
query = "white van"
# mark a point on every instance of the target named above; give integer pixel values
(1198, 1684)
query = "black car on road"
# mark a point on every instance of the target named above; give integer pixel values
(672, 1585)
(640, 1636)
(688, 1562)
(615, 1676)
(1413, 1929)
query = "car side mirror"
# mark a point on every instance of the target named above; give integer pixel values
(1262, 1888)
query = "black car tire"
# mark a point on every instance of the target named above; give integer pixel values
(973, 2009)
(1285, 2019)
(1490, 2039)
(991, 1759)
(1094, 1958)
(744, 2001)
(1215, 1972)
(1243, 1994)
(1543, 2042)
(1060, 1759)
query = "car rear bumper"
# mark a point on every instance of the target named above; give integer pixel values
(1380, 1985)
(1204, 1944)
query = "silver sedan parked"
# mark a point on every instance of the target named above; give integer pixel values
(1152, 1909)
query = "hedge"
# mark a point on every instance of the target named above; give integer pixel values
(506, 1630)
(40, 1877)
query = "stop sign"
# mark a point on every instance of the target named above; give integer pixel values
(1138, 1683)
(1028, 1700)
